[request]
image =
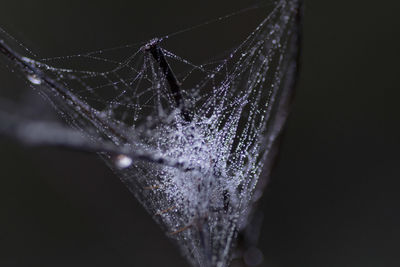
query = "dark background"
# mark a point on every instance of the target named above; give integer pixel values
(333, 200)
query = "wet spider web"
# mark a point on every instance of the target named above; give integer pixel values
(190, 141)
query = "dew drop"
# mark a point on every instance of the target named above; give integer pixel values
(123, 161)
(34, 79)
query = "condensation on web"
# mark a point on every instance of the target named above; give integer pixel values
(197, 177)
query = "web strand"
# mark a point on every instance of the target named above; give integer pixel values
(191, 145)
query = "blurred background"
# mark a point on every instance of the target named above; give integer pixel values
(333, 199)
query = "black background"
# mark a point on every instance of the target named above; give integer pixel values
(333, 199)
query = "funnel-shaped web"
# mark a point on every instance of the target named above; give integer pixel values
(190, 146)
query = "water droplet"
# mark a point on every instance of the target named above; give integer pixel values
(34, 79)
(123, 161)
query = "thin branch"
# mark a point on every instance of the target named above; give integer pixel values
(51, 134)
(174, 85)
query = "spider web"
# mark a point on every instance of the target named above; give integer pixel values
(192, 150)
